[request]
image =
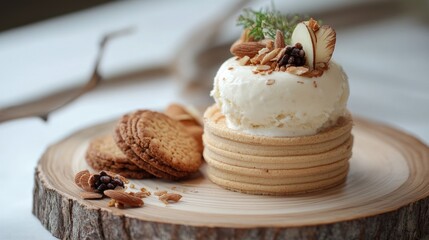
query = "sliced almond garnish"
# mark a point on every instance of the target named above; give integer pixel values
(280, 54)
(270, 56)
(263, 50)
(84, 182)
(326, 39)
(314, 73)
(78, 175)
(306, 37)
(244, 60)
(260, 57)
(297, 70)
(263, 67)
(254, 60)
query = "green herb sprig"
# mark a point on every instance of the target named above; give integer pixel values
(265, 22)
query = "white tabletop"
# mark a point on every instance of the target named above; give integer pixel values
(386, 61)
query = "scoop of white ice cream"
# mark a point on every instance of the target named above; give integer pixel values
(279, 104)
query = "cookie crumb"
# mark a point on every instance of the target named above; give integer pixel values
(170, 197)
(301, 82)
(315, 84)
(132, 185)
(119, 205)
(230, 68)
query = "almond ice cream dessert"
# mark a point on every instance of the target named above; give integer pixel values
(280, 124)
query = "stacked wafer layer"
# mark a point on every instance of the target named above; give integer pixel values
(273, 165)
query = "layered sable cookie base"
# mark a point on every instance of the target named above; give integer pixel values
(276, 165)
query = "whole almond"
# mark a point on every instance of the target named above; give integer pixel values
(246, 49)
(124, 198)
(78, 175)
(279, 42)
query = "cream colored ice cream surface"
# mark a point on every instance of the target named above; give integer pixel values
(279, 104)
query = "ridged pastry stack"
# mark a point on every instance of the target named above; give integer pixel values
(272, 165)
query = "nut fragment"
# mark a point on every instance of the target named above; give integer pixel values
(280, 54)
(142, 194)
(159, 193)
(90, 195)
(297, 70)
(111, 203)
(263, 67)
(119, 205)
(78, 175)
(270, 81)
(170, 197)
(244, 60)
(313, 25)
(270, 56)
(279, 42)
(263, 50)
(259, 58)
(269, 43)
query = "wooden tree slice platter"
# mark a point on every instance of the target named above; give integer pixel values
(386, 196)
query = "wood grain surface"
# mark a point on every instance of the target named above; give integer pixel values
(385, 196)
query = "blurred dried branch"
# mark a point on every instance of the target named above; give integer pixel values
(44, 106)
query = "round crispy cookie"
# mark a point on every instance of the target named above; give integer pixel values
(124, 141)
(103, 154)
(101, 163)
(105, 148)
(168, 141)
(142, 150)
